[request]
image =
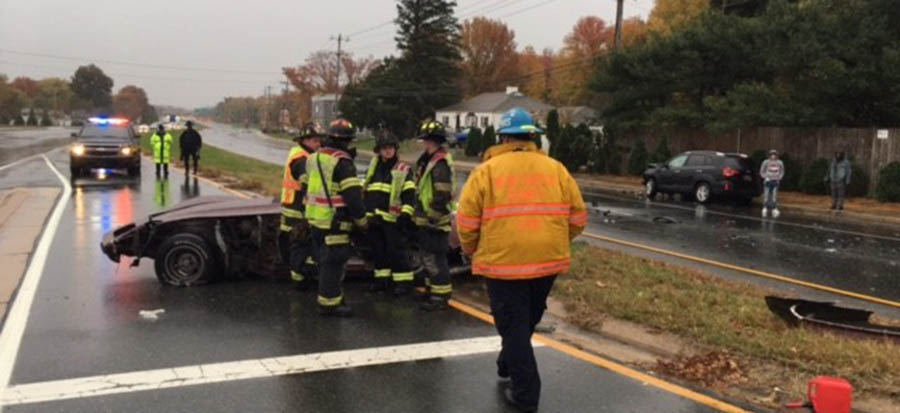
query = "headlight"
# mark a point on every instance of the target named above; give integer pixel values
(126, 151)
(77, 150)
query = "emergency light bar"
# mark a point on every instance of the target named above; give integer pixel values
(108, 121)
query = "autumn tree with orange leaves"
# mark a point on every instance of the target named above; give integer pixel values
(319, 75)
(131, 102)
(489, 58)
(589, 39)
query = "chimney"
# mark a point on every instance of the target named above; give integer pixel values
(512, 90)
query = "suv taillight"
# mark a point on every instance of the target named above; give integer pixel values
(730, 172)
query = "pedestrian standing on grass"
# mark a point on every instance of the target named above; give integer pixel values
(839, 176)
(161, 141)
(517, 215)
(190, 142)
(772, 172)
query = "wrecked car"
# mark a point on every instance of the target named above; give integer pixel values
(207, 239)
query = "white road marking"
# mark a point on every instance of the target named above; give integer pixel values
(243, 370)
(17, 317)
(28, 158)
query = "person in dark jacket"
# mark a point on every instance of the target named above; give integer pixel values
(390, 193)
(191, 142)
(839, 176)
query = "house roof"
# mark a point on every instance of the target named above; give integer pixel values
(496, 102)
(578, 114)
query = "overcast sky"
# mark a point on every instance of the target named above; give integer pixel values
(167, 46)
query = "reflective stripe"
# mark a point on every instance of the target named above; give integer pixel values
(578, 219)
(383, 273)
(286, 228)
(310, 261)
(403, 276)
(296, 276)
(512, 271)
(291, 184)
(407, 209)
(524, 210)
(467, 222)
(468, 251)
(443, 186)
(379, 186)
(349, 183)
(441, 289)
(361, 222)
(337, 239)
(331, 302)
(291, 213)
(408, 185)
(336, 200)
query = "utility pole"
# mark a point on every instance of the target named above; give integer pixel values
(618, 42)
(340, 40)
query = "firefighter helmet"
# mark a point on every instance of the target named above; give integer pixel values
(517, 121)
(433, 131)
(310, 130)
(386, 140)
(341, 128)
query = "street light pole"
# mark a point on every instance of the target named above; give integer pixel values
(618, 41)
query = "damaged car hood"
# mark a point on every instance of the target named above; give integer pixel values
(217, 207)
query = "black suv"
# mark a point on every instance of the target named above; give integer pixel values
(704, 174)
(105, 144)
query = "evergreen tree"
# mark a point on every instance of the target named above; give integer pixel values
(45, 121)
(32, 118)
(19, 121)
(473, 142)
(637, 162)
(488, 139)
(580, 149)
(563, 145)
(552, 130)
(662, 153)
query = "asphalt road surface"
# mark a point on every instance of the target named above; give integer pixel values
(859, 258)
(254, 345)
(18, 143)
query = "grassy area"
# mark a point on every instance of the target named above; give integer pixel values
(236, 171)
(718, 316)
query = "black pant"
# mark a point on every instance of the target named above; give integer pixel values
(186, 157)
(165, 168)
(389, 251)
(838, 191)
(435, 245)
(296, 245)
(331, 259)
(517, 306)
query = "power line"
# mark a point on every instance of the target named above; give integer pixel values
(528, 8)
(136, 64)
(251, 82)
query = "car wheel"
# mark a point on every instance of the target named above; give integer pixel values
(186, 259)
(650, 188)
(702, 192)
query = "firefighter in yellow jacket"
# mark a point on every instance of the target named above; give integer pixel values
(390, 193)
(435, 185)
(334, 206)
(294, 240)
(161, 143)
(517, 215)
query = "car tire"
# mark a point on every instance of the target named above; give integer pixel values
(650, 189)
(186, 259)
(702, 193)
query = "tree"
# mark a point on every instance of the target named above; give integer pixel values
(582, 144)
(93, 87)
(149, 115)
(552, 130)
(19, 121)
(27, 85)
(45, 120)
(12, 101)
(489, 138)
(32, 118)
(55, 94)
(489, 57)
(474, 142)
(662, 152)
(668, 16)
(319, 75)
(563, 145)
(589, 39)
(537, 79)
(131, 102)
(637, 161)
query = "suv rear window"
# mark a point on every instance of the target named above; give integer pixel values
(698, 160)
(106, 131)
(738, 163)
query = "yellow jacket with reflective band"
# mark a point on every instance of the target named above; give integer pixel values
(162, 148)
(425, 215)
(518, 213)
(321, 188)
(290, 187)
(395, 189)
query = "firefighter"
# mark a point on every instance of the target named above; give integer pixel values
(435, 184)
(334, 207)
(294, 240)
(390, 192)
(517, 215)
(161, 141)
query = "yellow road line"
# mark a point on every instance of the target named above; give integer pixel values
(609, 365)
(747, 270)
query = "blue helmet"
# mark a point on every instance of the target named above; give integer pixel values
(517, 121)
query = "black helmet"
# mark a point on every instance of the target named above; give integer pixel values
(341, 128)
(189, 124)
(386, 140)
(433, 131)
(310, 130)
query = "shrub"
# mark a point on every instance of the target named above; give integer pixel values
(813, 180)
(859, 182)
(473, 142)
(553, 131)
(637, 161)
(19, 121)
(45, 121)
(758, 157)
(488, 139)
(32, 118)
(888, 188)
(793, 173)
(563, 144)
(580, 150)
(662, 152)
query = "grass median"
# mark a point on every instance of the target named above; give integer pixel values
(720, 316)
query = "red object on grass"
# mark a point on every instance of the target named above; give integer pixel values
(827, 395)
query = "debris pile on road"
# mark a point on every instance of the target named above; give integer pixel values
(713, 369)
(151, 315)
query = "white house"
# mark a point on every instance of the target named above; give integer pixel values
(485, 109)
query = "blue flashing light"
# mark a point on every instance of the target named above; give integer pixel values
(107, 121)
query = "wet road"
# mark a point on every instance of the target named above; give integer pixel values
(248, 142)
(17, 143)
(211, 349)
(859, 258)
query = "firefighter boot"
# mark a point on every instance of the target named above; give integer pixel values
(435, 303)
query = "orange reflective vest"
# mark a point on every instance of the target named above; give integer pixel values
(290, 186)
(518, 213)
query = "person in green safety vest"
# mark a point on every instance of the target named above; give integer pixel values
(334, 207)
(435, 185)
(294, 241)
(161, 142)
(390, 193)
